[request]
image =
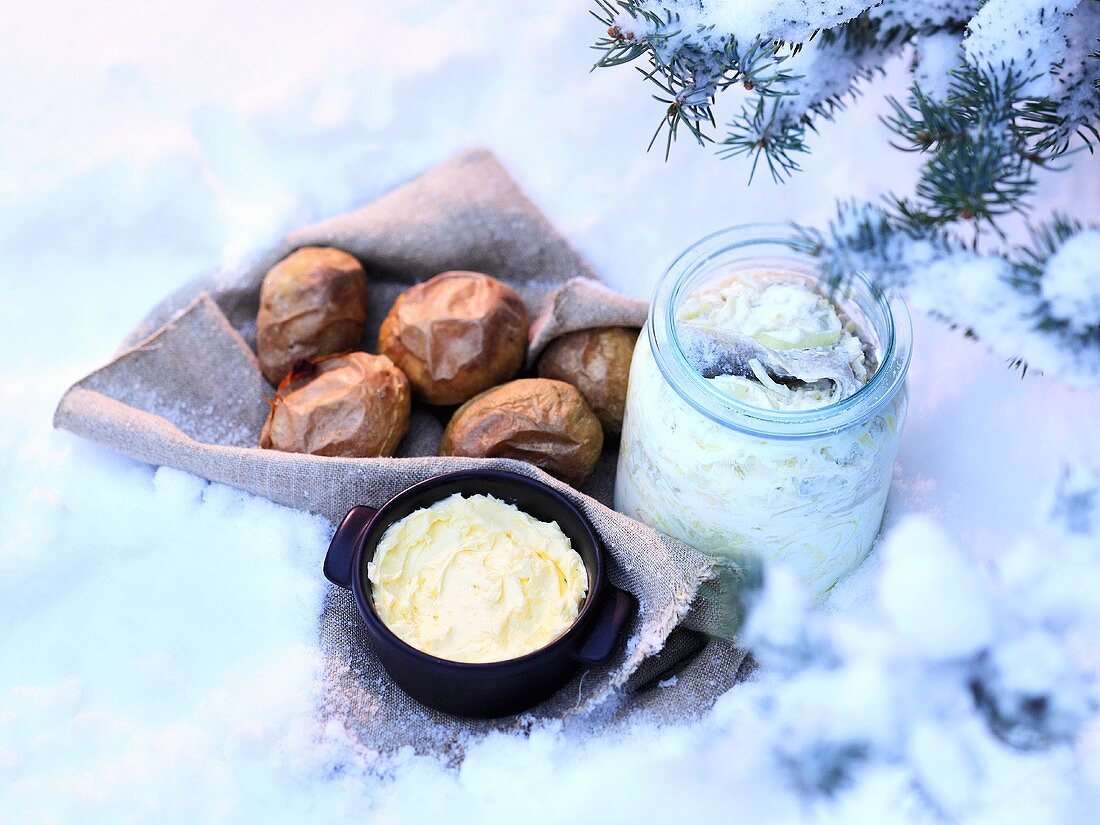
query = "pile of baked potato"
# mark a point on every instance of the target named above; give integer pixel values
(459, 338)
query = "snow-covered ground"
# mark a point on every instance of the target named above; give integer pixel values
(159, 638)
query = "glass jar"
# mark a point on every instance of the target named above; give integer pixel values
(803, 487)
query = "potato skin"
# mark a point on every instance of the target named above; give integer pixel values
(596, 362)
(546, 423)
(353, 404)
(455, 335)
(312, 303)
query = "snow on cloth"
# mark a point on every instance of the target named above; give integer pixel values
(186, 391)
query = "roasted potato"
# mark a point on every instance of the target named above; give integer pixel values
(312, 303)
(547, 423)
(596, 362)
(455, 335)
(353, 404)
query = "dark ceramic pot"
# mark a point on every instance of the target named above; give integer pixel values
(489, 689)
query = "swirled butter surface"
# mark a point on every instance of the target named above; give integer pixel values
(475, 579)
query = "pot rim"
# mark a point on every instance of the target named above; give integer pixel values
(375, 624)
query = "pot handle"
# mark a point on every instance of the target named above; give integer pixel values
(346, 540)
(618, 609)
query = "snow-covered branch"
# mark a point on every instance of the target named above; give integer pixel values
(1001, 90)
(798, 60)
(958, 668)
(1038, 306)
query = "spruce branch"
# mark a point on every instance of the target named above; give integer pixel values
(686, 106)
(983, 140)
(625, 44)
(777, 130)
(865, 238)
(755, 131)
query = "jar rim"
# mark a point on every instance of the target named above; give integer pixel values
(727, 411)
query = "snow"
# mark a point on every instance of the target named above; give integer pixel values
(1026, 34)
(111, 688)
(160, 633)
(944, 765)
(926, 14)
(828, 70)
(979, 292)
(789, 20)
(938, 54)
(1031, 680)
(1071, 282)
(1076, 82)
(777, 628)
(922, 567)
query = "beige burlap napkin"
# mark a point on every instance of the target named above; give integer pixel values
(186, 391)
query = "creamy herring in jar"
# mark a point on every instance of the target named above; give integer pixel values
(475, 579)
(765, 469)
(778, 314)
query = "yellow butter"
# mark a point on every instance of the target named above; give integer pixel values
(474, 579)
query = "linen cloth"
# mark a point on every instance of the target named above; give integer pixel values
(186, 391)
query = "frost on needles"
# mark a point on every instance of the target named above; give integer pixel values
(1002, 90)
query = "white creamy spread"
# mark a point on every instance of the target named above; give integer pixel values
(814, 503)
(474, 579)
